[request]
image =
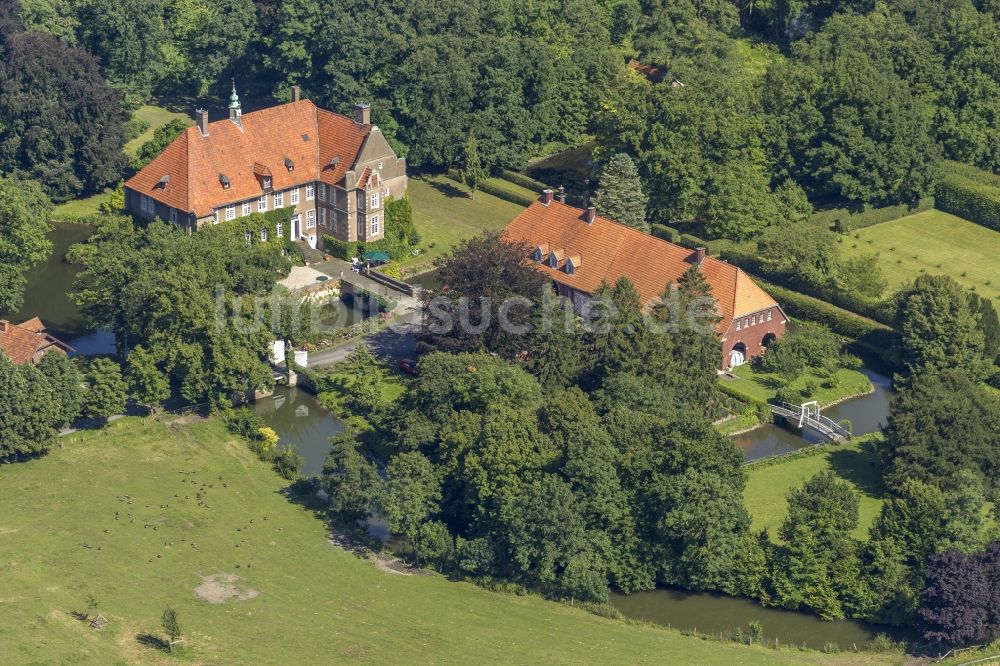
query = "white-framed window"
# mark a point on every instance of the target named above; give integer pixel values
(322, 191)
(215, 216)
(142, 202)
(310, 192)
(267, 182)
(333, 195)
(746, 323)
(230, 211)
(280, 230)
(737, 324)
(322, 217)
(374, 200)
(248, 237)
(753, 320)
(262, 203)
(310, 219)
(173, 215)
(374, 224)
(279, 199)
(769, 315)
(334, 216)
(263, 234)
(247, 207)
(293, 196)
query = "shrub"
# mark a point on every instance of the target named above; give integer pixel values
(338, 248)
(288, 463)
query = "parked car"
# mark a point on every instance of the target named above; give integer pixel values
(408, 366)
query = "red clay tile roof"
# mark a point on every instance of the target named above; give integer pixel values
(27, 341)
(299, 131)
(608, 250)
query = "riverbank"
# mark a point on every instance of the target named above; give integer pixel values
(150, 515)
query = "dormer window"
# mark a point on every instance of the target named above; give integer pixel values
(572, 264)
(555, 257)
(267, 182)
(569, 268)
(289, 164)
(224, 179)
(538, 255)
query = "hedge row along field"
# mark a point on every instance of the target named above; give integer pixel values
(970, 193)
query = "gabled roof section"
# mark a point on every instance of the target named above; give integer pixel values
(297, 132)
(340, 138)
(23, 342)
(614, 250)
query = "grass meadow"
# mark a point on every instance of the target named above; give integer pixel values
(768, 486)
(145, 512)
(934, 242)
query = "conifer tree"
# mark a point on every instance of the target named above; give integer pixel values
(620, 196)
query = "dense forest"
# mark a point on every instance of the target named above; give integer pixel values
(857, 100)
(589, 463)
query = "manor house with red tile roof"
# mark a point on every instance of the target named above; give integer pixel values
(335, 172)
(579, 250)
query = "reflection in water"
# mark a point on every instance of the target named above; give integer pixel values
(715, 613)
(300, 421)
(866, 414)
(45, 295)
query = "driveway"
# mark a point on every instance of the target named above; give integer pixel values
(393, 343)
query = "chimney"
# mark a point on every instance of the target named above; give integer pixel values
(296, 93)
(362, 114)
(546, 197)
(699, 255)
(201, 116)
(562, 194)
(590, 215)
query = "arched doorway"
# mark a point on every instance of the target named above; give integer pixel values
(737, 355)
(768, 339)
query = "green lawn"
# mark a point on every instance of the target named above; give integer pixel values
(156, 116)
(936, 242)
(445, 213)
(763, 386)
(768, 486)
(78, 208)
(60, 541)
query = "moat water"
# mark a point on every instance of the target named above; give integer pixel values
(866, 413)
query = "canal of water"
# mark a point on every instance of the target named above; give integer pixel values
(866, 414)
(45, 295)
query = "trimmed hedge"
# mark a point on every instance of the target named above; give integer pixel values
(665, 232)
(762, 408)
(970, 193)
(882, 311)
(524, 181)
(499, 193)
(871, 336)
(843, 220)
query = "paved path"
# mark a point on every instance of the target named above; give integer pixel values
(395, 342)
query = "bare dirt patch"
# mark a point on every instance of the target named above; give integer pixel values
(220, 588)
